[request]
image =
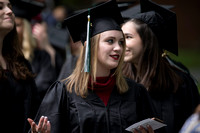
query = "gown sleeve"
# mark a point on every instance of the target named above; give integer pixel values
(144, 103)
(54, 106)
(45, 72)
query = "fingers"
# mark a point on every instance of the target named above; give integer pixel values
(33, 125)
(135, 131)
(48, 127)
(44, 125)
(29, 121)
(150, 130)
(40, 125)
(141, 129)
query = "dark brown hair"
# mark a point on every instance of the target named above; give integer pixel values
(14, 57)
(154, 71)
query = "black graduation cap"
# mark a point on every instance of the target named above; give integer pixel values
(103, 17)
(123, 5)
(95, 20)
(27, 8)
(135, 9)
(162, 22)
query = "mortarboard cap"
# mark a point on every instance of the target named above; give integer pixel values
(103, 17)
(162, 22)
(27, 8)
(135, 9)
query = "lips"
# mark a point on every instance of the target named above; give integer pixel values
(115, 57)
(127, 52)
(8, 19)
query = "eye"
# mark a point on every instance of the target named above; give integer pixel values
(110, 41)
(1, 6)
(121, 42)
(128, 37)
(10, 6)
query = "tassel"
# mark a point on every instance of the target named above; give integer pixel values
(87, 50)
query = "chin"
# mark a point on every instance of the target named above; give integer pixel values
(9, 26)
(112, 66)
(127, 59)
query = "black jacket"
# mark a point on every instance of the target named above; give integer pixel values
(69, 113)
(18, 101)
(175, 108)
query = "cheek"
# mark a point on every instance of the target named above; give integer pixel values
(130, 44)
(100, 53)
(139, 46)
(127, 58)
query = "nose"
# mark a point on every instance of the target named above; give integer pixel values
(117, 47)
(8, 10)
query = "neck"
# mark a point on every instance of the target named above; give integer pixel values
(2, 61)
(103, 73)
(1, 45)
(3, 34)
(136, 66)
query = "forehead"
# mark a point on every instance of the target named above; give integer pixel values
(6, 2)
(129, 27)
(129, 24)
(112, 33)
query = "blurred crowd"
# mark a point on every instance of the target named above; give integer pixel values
(46, 43)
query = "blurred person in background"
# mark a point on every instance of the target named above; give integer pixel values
(44, 44)
(70, 62)
(172, 90)
(52, 35)
(40, 60)
(192, 124)
(18, 91)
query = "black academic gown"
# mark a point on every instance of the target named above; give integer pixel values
(45, 72)
(69, 113)
(18, 101)
(175, 108)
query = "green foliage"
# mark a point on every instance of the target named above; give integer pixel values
(190, 58)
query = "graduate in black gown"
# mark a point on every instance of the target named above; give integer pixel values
(95, 98)
(172, 89)
(70, 62)
(39, 59)
(18, 92)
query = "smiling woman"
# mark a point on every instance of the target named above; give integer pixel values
(17, 85)
(148, 35)
(110, 51)
(100, 99)
(6, 16)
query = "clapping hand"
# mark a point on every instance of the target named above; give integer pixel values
(44, 125)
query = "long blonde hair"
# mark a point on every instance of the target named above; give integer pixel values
(28, 42)
(79, 79)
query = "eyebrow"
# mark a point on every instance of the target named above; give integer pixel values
(128, 34)
(5, 3)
